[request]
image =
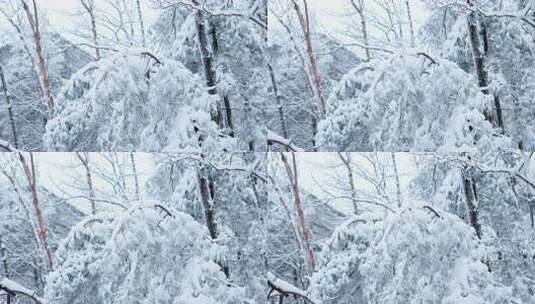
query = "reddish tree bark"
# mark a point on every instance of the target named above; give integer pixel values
(33, 20)
(29, 171)
(303, 228)
(312, 64)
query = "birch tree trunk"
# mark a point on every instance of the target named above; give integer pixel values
(411, 23)
(363, 26)
(89, 6)
(29, 170)
(134, 172)
(312, 61)
(351, 178)
(9, 109)
(85, 162)
(141, 24)
(303, 227)
(396, 175)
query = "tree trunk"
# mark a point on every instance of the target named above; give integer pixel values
(226, 100)
(85, 162)
(396, 175)
(363, 27)
(279, 101)
(89, 6)
(303, 228)
(312, 61)
(33, 20)
(411, 24)
(141, 24)
(134, 172)
(479, 45)
(351, 179)
(30, 173)
(9, 109)
(3, 256)
(531, 206)
(470, 195)
(207, 62)
(207, 191)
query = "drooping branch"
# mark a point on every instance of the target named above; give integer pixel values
(193, 4)
(5, 145)
(273, 138)
(13, 288)
(286, 289)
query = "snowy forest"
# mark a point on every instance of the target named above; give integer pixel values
(297, 228)
(267, 151)
(188, 80)
(377, 75)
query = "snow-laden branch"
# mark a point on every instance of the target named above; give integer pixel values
(13, 287)
(5, 145)
(286, 289)
(192, 4)
(274, 138)
(510, 172)
(468, 7)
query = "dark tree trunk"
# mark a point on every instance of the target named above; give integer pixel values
(9, 109)
(480, 45)
(470, 194)
(279, 100)
(207, 191)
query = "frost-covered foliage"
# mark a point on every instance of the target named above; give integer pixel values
(23, 84)
(237, 47)
(417, 255)
(131, 101)
(294, 88)
(144, 255)
(108, 92)
(415, 85)
(505, 208)
(510, 58)
(239, 203)
(405, 103)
